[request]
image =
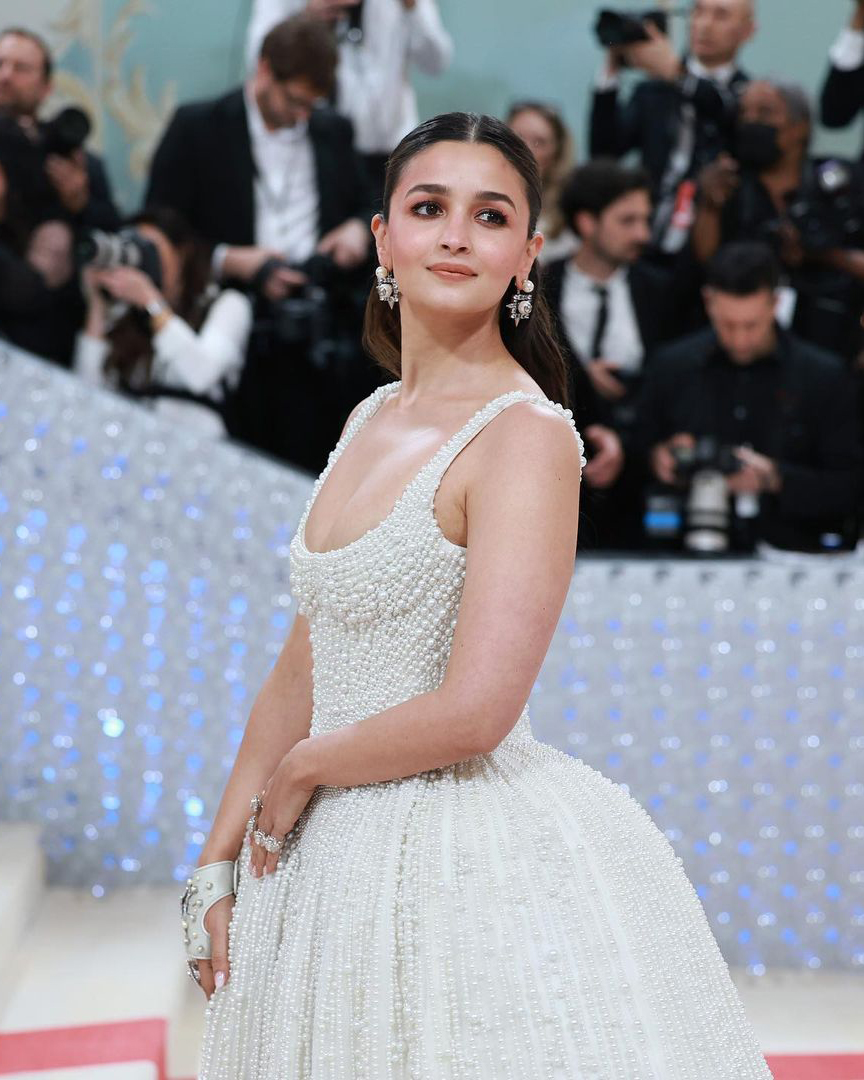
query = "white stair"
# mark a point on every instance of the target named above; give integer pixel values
(21, 885)
(71, 961)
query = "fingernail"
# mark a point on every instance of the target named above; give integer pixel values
(219, 979)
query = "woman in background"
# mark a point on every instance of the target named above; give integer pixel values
(181, 344)
(550, 141)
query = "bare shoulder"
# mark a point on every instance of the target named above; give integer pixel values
(531, 440)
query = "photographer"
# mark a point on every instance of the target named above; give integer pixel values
(756, 430)
(810, 210)
(63, 179)
(612, 308)
(842, 97)
(269, 176)
(161, 331)
(679, 118)
(379, 43)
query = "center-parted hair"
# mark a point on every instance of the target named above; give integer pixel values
(532, 343)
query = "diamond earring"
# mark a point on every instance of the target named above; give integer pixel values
(388, 289)
(520, 306)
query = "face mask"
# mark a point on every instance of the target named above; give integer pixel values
(757, 146)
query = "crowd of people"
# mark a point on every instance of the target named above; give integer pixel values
(704, 267)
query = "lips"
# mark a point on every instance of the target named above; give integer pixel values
(453, 269)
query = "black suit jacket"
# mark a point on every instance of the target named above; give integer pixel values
(802, 411)
(203, 167)
(650, 120)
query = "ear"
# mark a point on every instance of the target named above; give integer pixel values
(584, 224)
(707, 296)
(381, 231)
(532, 250)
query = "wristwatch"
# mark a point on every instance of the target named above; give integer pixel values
(155, 307)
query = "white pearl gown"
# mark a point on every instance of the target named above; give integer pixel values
(515, 916)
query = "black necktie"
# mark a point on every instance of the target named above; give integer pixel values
(600, 322)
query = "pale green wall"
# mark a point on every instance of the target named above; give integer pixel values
(131, 60)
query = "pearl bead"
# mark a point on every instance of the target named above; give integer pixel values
(514, 915)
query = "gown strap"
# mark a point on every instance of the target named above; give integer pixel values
(454, 446)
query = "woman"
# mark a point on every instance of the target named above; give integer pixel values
(180, 344)
(426, 890)
(542, 128)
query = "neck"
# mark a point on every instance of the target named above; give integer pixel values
(451, 357)
(787, 172)
(715, 63)
(768, 347)
(594, 264)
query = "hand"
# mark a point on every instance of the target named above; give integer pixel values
(605, 383)
(129, 284)
(718, 181)
(285, 796)
(758, 474)
(70, 179)
(49, 250)
(605, 466)
(216, 923)
(329, 10)
(656, 56)
(281, 281)
(663, 460)
(348, 243)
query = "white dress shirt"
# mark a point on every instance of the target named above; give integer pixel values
(580, 305)
(373, 85)
(203, 362)
(286, 187)
(847, 52)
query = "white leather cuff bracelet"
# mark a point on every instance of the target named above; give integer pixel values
(208, 883)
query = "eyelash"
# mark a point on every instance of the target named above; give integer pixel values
(501, 219)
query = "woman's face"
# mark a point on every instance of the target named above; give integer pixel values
(171, 260)
(534, 129)
(457, 231)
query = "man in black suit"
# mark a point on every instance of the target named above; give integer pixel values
(784, 411)
(842, 96)
(612, 309)
(70, 187)
(269, 176)
(681, 117)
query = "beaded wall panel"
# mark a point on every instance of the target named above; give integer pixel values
(144, 595)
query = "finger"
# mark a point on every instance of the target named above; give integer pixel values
(327, 243)
(205, 970)
(271, 862)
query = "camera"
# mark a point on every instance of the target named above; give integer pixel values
(617, 28)
(308, 320)
(66, 132)
(127, 247)
(699, 518)
(829, 211)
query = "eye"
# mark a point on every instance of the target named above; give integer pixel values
(497, 218)
(421, 209)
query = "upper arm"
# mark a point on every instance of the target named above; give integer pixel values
(522, 510)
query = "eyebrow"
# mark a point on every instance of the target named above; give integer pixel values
(481, 196)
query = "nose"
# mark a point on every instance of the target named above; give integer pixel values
(454, 236)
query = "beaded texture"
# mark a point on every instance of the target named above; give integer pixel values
(514, 915)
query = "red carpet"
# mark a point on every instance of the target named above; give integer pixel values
(144, 1040)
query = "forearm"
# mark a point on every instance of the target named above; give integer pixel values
(848, 260)
(279, 719)
(422, 733)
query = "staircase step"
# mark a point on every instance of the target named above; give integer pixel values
(21, 887)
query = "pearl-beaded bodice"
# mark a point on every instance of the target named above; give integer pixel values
(383, 608)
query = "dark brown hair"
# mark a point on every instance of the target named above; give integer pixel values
(40, 43)
(532, 342)
(593, 187)
(302, 47)
(130, 355)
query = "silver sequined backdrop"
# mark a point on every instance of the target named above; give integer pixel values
(144, 595)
